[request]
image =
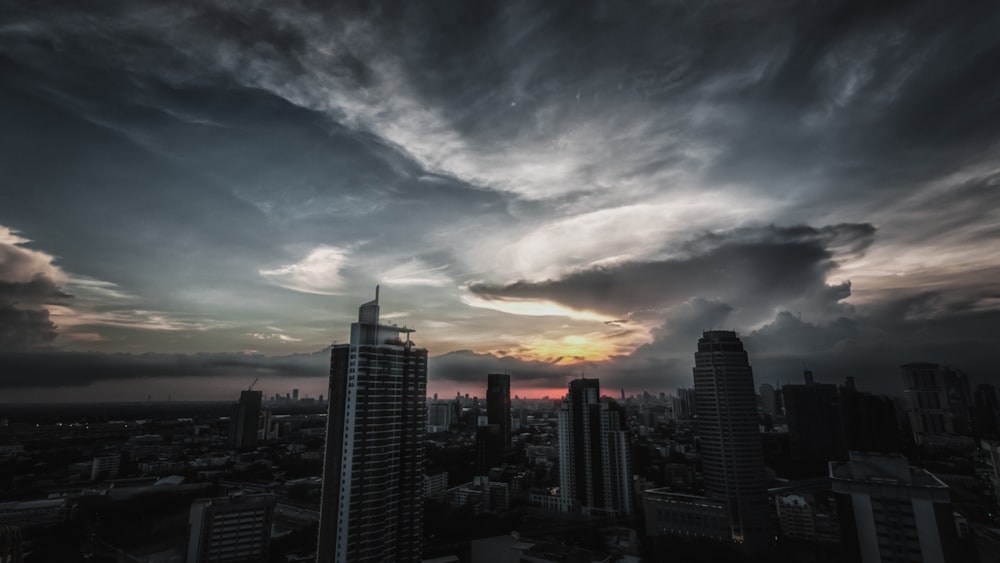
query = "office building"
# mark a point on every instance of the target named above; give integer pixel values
(938, 406)
(986, 411)
(595, 471)
(815, 428)
(236, 528)
(732, 455)
(768, 400)
(870, 422)
(892, 512)
(372, 501)
(245, 420)
(498, 404)
(105, 467)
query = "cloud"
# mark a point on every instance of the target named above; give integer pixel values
(24, 329)
(319, 272)
(415, 272)
(58, 369)
(753, 270)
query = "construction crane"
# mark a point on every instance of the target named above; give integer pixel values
(252, 384)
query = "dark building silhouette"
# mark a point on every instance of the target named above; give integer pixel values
(938, 405)
(245, 420)
(986, 411)
(232, 529)
(493, 430)
(498, 404)
(815, 426)
(731, 450)
(371, 507)
(595, 465)
(870, 421)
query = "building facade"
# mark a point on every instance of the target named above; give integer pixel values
(727, 424)
(891, 512)
(595, 471)
(372, 501)
(245, 420)
(230, 529)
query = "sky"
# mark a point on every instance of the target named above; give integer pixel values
(197, 194)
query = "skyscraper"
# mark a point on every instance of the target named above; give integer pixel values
(595, 471)
(732, 456)
(245, 420)
(372, 501)
(498, 403)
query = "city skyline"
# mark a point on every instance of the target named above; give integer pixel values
(196, 195)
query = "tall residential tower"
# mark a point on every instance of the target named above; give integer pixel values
(595, 465)
(372, 503)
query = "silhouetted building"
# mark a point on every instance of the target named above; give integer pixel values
(489, 446)
(986, 411)
(372, 502)
(937, 404)
(236, 528)
(815, 429)
(498, 404)
(245, 420)
(869, 420)
(731, 451)
(768, 400)
(595, 471)
(892, 512)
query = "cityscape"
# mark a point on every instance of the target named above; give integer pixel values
(499, 281)
(725, 470)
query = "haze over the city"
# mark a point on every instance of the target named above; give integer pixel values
(197, 194)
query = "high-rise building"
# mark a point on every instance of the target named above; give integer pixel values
(890, 511)
(986, 411)
(245, 420)
(372, 502)
(498, 404)
(869, 420)
(595, 465)
(768, 400)
(236, 528)
(816, 432)
(938, 405)
(731, 451)
(295, 394)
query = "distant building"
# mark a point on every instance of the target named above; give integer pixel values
(595, 466)
(986, 411)
(801, 517)
(31, 513)
(938, 404)
(815, 428)
(890, 511)
(245, 420)
(768, 400)
(371, 507)
(498, 404)
(105, 467)
(440, 416)
(435, 482)
(236, 528)
(870, 421)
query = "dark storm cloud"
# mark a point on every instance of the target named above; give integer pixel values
(41, 289)
(754, 269)
(60, 369)
(24, 329)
